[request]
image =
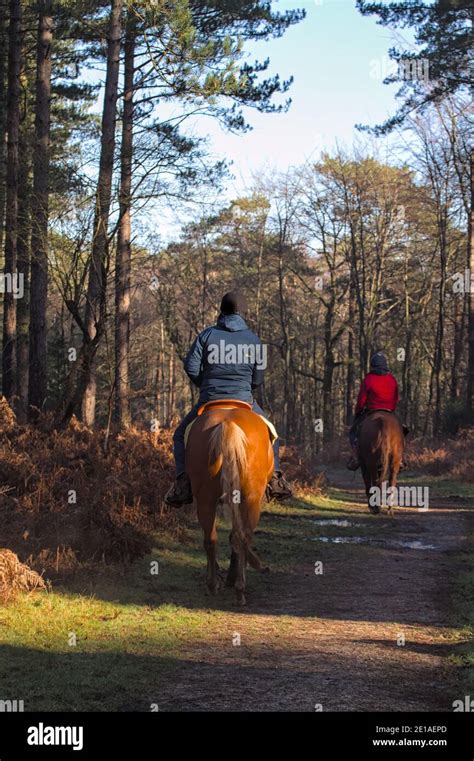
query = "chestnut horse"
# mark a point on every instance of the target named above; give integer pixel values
(381, 445)
(229, 460)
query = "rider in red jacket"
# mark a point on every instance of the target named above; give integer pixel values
(378, 391)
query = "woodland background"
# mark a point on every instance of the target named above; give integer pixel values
(357, 251)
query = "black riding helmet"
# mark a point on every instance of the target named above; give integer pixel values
(379, 363)
(234, 303)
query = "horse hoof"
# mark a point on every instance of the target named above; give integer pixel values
(265, 569)
(374, 510)
(241, 601)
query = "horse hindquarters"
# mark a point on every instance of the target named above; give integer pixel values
(382, 445)
(230, 460)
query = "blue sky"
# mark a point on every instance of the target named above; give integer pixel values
(338, 59)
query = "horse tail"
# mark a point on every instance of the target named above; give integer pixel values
(385, 453)
(228, 454)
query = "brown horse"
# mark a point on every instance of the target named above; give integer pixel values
(229, 460)
(381, 445)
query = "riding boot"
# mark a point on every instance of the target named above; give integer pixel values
(180, 493)
(278, 488)
(353, 463)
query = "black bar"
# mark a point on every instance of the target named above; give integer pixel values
(159, 735)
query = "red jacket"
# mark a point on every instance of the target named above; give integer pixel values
(377, 392)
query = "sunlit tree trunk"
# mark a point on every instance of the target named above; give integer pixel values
(124, 245)
(96, 291)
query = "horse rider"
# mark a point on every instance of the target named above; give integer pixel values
(378, 391)
(226, 361)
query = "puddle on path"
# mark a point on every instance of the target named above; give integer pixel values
(395, 544)
(335, 522)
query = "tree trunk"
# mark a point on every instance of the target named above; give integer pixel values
(11, 217)
(458, 345)
(124, 245)
(96, 291)
(24, 250)
(439, 342)
(470, 298)
(328, 374)
(37, 384)
(3, 112)
(350, 377)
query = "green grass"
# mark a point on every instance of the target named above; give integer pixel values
(440, 486)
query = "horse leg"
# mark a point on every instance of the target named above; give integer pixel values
(240, 550)
(207, 519)
(252, 557)
(368, 484)
(233, 567)
(373, 480)
(253, 517)
(242, 547)
(255, 562)
(393, 482)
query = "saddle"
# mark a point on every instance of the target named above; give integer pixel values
(229, 404)
(223, 404)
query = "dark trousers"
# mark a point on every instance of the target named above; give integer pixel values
(178, 438)
(355, 427)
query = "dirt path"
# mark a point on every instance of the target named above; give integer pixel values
(334, 640)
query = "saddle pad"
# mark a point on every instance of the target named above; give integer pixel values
(271, 429)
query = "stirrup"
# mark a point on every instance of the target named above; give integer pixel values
(353, 464)
(286, 491)
(176, 498)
